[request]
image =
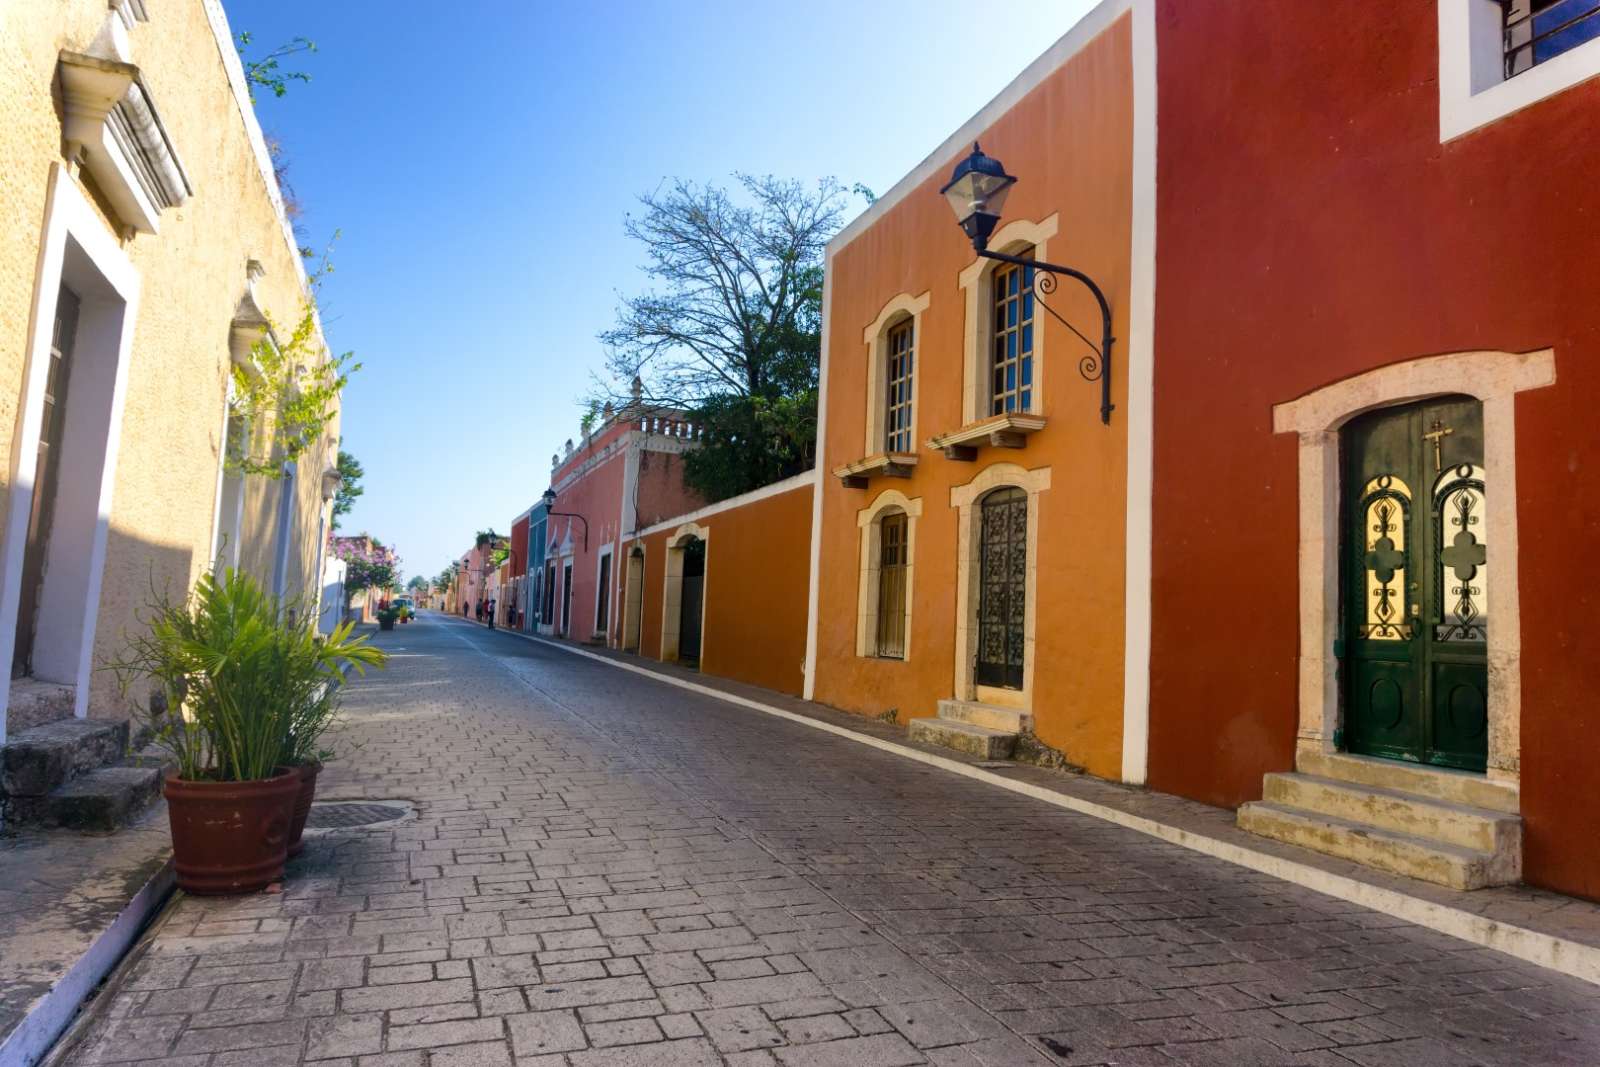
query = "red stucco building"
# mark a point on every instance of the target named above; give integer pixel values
(1377, 353)
(624, 475)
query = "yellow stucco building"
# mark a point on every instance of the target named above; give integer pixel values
(146, 249)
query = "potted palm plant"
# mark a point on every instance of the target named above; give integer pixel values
(235, 669)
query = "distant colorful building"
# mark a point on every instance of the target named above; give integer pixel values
(624, 475)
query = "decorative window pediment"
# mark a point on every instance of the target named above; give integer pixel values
(112, 128)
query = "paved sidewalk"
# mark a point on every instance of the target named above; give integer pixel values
(608, 870)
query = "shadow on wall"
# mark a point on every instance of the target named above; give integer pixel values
(136, 571)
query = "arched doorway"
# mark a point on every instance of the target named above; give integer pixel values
(691, 601)
(1414, 558)
(1002, 588)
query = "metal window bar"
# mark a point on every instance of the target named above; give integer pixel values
(897, 423)
(1012, 367)
(1539, 30)
(892, 547)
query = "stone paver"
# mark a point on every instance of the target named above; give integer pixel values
(606, 870)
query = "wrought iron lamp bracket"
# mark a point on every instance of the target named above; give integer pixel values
(573, 515)
(1093, 368)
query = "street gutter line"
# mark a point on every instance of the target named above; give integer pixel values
(1546, 950)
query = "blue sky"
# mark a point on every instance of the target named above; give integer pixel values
(478, 159)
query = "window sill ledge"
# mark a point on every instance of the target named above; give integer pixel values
(856, 475)
(1010, 430)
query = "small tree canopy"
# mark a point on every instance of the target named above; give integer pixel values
(732, 330)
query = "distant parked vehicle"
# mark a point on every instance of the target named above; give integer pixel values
(405, 606)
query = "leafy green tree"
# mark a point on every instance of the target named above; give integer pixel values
(732, 331)
(350, 487)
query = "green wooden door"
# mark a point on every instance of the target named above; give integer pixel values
(1415, 594)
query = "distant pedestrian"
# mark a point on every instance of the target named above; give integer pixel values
(491, 614)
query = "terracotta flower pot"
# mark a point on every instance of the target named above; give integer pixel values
(231, 837)
(307, 773)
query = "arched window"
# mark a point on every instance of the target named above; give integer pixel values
(888, 558)
(893, 544)
(902, 347)
(891, 341)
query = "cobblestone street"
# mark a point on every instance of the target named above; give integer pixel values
(607, 870)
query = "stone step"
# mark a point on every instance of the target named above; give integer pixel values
(1009, 720)
(1439, 783)
(1386, 850)
(979, 741)
(102, 801)
(37, 761)
(1406, 813)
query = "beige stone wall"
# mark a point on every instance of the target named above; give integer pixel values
(192, 276)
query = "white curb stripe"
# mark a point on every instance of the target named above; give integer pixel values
(1546, 950)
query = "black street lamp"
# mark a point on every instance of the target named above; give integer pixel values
(549, 499)
(977, 191)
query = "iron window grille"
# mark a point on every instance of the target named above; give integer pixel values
(892, 550)
(1012, 366)
(1539, 30)
(902, 351)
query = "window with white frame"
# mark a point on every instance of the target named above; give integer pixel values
(1497, 57)
(1536, 31)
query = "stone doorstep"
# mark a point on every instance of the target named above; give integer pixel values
(1439, 783)
(36, 761)
(34, 702)
(1008, 720)
(1390, 809)
(1384, 850)
(102, 801)
(980, 741)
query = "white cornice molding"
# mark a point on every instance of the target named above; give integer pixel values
(112, 128)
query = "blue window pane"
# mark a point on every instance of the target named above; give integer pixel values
(1566, 40)
(1027, 306)
(1027, 274)
(1027, 338)
(1011, 377)
(1012, 281)
(1027, 400)
(1027, 372)
(1011, 315)
(1011, 346)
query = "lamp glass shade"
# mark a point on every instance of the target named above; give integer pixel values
(976, 193)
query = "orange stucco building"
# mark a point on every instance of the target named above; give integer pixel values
(972, 511)
(725, 588)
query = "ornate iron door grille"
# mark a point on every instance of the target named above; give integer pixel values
(1002, 587)
(1413, 665)
(892, 587)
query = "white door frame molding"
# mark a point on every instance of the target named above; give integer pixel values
(1494, 378)
(76, 248)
